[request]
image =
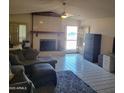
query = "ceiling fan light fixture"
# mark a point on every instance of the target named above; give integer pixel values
(64, 15)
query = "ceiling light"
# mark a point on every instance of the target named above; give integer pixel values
(64, 15)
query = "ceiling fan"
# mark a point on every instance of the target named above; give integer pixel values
(65, 14)
(55, 13)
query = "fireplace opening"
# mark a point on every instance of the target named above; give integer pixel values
(48, 45)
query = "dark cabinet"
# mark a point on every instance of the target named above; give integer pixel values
(92, 47)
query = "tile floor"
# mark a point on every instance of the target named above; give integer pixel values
(93, 75)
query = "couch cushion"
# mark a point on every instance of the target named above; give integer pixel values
(19, 53)
(41, 69)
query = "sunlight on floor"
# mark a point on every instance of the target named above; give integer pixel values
(92, 74)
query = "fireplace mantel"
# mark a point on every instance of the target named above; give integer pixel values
(46, 32)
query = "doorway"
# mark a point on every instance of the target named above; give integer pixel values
(71, 38)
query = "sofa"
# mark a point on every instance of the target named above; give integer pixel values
(41, 73)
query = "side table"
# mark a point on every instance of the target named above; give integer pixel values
(109, 62)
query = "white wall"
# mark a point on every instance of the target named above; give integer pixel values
(104, 26)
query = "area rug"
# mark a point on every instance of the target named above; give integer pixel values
(68, 82)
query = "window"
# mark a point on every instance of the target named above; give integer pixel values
(71, 38)
(22, 32)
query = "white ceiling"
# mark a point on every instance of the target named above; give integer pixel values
(81, 9)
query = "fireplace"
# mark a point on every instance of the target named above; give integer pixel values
(48, 45)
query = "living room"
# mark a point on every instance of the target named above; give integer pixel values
(65, 44)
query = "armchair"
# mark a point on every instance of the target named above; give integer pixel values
(20, 83)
